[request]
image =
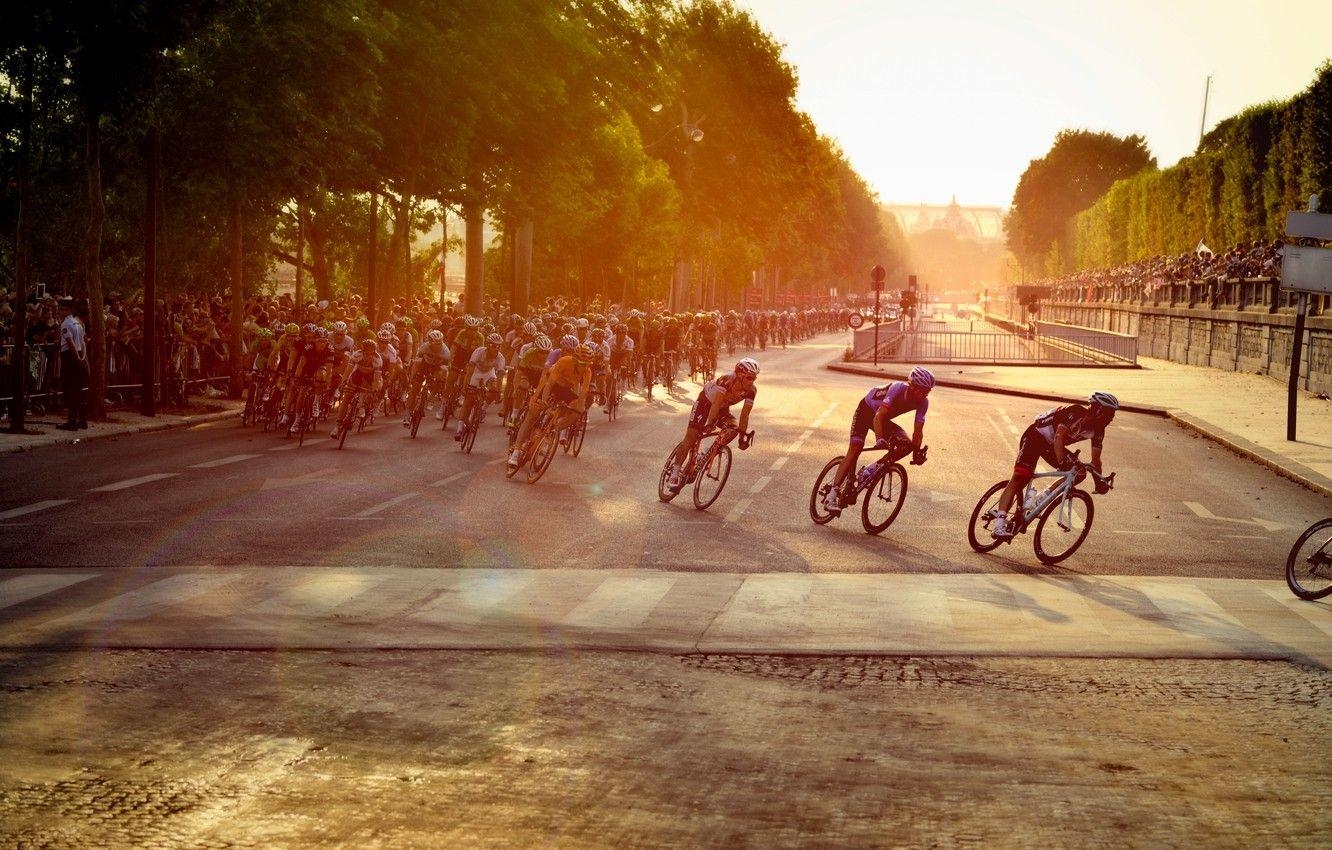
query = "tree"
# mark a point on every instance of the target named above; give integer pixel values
(1078, 169)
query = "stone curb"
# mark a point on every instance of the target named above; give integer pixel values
(1284, 467)
(125, 430)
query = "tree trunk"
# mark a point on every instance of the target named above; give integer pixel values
(300, 254)
(371, 287)
(443, 255)
(522, 265)
(317, 236)
(147, 358)
(476, 258)
(92, 271)
(237, 292)
(19, 364)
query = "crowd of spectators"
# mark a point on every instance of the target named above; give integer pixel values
(1139, 281)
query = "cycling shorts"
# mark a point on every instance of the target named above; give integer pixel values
(698, 417)
(863, 422)
(1033, 447)
(560, 394)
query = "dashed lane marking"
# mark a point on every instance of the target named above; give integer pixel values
(738, 510)
(33, 508)
(222, 461)
(758, 485)
(779, 463)
(133, 482)
(1129, 531)
(383, 506)
(452, 478)
(22, 588)
(285, 448)
(1008, 420)
(997, 429)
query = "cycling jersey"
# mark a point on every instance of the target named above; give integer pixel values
(568, 373)
(312, 360)
(1075, 419)
(485, 366)
(364, 368)
(894, 395)
(467, 341)
(433, 357)
(389, 353)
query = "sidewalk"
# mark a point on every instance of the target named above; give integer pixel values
(1246, 413)
(120, 423)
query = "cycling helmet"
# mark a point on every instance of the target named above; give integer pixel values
(339, 327)
(569, 342)
(747, 366)
(367, 345)
(494, 339)
(435, 336)
(584, 353)
(921, 377)
(265, 333)
(436, 323)
(385, 335)
(320, 333)
(1104, 399)
(362, 322)
(542, 342)
(407, 321)
(292, 328)
(471, 321)
(529, 329)
(386, 326)
(582, 323)
(310, 327)
(598, 334)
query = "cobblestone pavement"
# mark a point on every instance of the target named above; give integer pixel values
(492, 749)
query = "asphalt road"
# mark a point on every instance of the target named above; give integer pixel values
(219, 494)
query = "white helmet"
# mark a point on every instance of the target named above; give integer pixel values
(1104, 399)
(385, 335)
(339, 327)
(435, 336)
(747, 366)
(471, 321)
(921, 377)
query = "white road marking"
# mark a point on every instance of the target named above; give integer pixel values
(1008, 420)
(454, 477)
(936, 496)
(222, 461)
(383, 506)
(760, 484)
(477, 593)
(22, 588)
(739, 509)
(1187, 606)
(133, 482)
(317, 595)
(1126, 531)
(1246, 536)
(779, 463)
(148, 600)
(1203, 513)
(997, 429)
(285, 448)
(33, 508)
(620, 602)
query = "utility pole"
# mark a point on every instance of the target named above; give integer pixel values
(1207, 92)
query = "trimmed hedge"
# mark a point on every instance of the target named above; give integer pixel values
(1249, 171)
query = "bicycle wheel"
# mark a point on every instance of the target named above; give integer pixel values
(542, 455)
(978, 528)
(247, 414)
(884, 497)
(664, 492)
(822, 485)
(1309, 565)
(473, 425)
(418, 412)
(579, 432)
(711, 480)
(1053, 541)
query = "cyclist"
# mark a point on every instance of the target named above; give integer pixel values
(432, 357)
(527, 374)
(364, 372)
(1047, 439)
(713, 406)
(565, 383)
(482, 371)
(876, 411)
(310, 373)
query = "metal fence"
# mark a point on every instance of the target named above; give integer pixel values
(1067, 347)
(863, 339)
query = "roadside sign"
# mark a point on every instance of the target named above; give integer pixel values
(1306, 269)
(855, 320)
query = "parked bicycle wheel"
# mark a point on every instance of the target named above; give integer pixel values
(982, 516)
(1055, 542)
(711, 479)
(1309, 565)
(542, 455)
(822, 485)
(884, 497)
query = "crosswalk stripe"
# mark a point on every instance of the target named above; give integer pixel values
(133, 482)
(222, 461)
(317, 595)
(147, 600)
(1184, 604)
(620, 602)
(22, 588)
(33, 508)
(476, 594)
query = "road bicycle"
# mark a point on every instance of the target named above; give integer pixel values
(1063, 514)
(354, 414)
(708, 472)
(484, 397)
(1309, 564)
(536, 454)
(572, 438)
(431, 390)
(884, 483)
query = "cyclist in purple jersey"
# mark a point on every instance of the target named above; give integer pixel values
(875, 412)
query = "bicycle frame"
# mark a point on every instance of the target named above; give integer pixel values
(1056, 491)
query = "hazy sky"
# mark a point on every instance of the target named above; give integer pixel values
(933, 98)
